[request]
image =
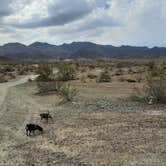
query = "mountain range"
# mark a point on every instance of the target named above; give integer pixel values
(76, 51)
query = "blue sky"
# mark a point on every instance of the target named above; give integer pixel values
(115, 22)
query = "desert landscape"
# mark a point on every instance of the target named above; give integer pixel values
(82, 83)
(102, 124)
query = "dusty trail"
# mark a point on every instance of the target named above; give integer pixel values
(4, 87)
(12, 123)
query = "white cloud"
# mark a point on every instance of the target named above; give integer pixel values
(132, 22)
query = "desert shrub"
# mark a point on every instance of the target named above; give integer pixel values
(45, 88)
(130, 80)
(67, 92)
(8, 68)
(151, 65)
(138, 78)
(154, 89)
(152, 69)
(66, 72)
(30, 80)
(57, 87)
(130, 71)
(91, 67)
(104, 77)
(23, 71)
(155, 86)
(119, 72)
(121, 79)
(45, 72)
(3, 78)
(83, 70)
(91, 76)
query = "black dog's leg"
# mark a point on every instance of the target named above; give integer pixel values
(30, 132)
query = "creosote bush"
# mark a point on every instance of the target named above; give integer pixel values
(67, 92)
(66, 72)
(57, 87)
(45, 72)
(46, 85)
(154, 89)
(155, 86)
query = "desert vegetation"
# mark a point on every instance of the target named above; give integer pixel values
(153, 89)
(92, 122)
(48, 82)
(66, 72)
(155, 85)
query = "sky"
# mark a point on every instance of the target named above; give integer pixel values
(113, 22)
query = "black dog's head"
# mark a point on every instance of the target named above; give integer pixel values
(39, 128)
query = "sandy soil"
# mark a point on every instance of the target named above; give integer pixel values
(99, 131)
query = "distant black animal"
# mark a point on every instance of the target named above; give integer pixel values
(45, 116)
(31, 128)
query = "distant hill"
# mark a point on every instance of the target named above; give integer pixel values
(5, 59)
(77, 50)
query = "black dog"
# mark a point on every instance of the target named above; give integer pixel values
(31, 128)
(45, 116)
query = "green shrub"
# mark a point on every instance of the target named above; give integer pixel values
(66, 72)
(45, 72)
(154, 89)
(67, 92)
(60, 88)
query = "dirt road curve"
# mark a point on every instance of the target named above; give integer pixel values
(4, 86)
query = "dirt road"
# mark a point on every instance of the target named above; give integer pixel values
(5, 86)
(10, 127)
